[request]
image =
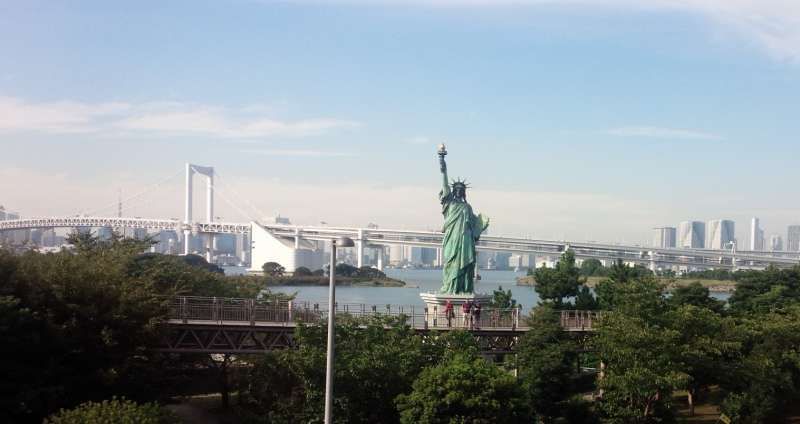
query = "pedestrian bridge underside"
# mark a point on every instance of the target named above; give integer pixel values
(247, 326)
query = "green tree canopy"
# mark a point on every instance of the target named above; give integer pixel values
(302, 271)
(765, 291)
(273, 269)
(546, 358)
(556, 284)
(113, 411)
(464, 389)
(592, 267)
(697, 295)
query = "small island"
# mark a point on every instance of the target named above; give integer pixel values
(346, 275)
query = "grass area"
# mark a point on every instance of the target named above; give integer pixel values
(713, 285)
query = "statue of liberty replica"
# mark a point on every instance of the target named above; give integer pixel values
(462, 228)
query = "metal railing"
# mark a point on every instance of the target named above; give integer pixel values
(218, 310)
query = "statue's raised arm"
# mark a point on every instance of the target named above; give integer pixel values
(443, 168)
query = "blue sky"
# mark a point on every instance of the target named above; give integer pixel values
(575, 119)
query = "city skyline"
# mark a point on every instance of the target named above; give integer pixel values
(562, 116)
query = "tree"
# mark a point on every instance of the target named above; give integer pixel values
(639, 351)
(502, 299)
(767, 290)
(273, 269)
(302, 271)
(546, 358)
(369, 272)
(346, 270)
(764, 381)
(592, 267)
(707, 346)
(563, 281)
(464, 389)
(697, 295)
(85, 328)
(640, 371)
(113, 411)
(376, 360)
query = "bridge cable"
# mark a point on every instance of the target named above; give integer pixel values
(128, 200)
(247, 202)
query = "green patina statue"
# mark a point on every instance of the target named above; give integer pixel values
(462, 228)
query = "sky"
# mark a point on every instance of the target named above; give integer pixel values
(572, 119)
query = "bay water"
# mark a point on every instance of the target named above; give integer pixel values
(417, 281)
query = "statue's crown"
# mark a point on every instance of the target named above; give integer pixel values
(458, 182)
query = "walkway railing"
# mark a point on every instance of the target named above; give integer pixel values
(218, 310)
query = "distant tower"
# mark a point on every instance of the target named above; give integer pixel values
(793, 238)
(775, 243)
(756, 235)
(119, 203)
(664, 237)
(691, 235)
(720, 233)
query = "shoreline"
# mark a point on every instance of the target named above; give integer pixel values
(340, 281)
(713, 286)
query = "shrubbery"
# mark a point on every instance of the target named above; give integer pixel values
(115, 411)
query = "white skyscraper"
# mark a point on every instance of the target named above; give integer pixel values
(775, 243)
(664, 237)
(756, 235)
(720, 233)
(792, 238)
(691, 235)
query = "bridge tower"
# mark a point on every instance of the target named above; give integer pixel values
(208, 172)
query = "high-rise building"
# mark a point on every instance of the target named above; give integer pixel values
(720, 233)
(756, 235)
(664, 237)
(775, 243)
(691, 235)
(793, 238)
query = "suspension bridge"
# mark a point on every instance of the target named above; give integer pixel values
(289, 244)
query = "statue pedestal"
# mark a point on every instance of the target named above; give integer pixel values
(435, 316)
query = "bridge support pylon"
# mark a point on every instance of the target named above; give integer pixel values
(208, 172)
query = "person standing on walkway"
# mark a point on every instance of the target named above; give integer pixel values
(465, 310)
(476, 315)
(448, 312)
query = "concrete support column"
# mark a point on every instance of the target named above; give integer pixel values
(296, 238)
(360, 249)
(380, 257)
(439, 256)
(653, 266)
(209, 247)
(187, 216)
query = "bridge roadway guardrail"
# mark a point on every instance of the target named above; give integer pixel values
(233, 312)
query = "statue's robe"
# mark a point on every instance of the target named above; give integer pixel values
(462, 228)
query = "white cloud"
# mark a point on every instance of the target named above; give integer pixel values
(156, 119)
(773, 25)
(55, 117)
(663, 133)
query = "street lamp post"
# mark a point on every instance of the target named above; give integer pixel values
(341, 242)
